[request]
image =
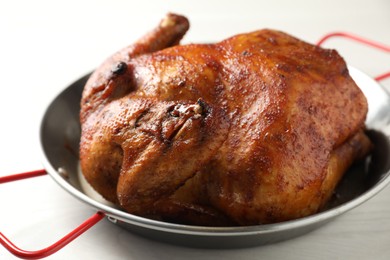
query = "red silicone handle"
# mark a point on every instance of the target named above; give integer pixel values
(360, 39)
(368, 42)
(21, 176)
(382, 76)
(38, 254)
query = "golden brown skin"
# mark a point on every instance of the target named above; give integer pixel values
(258, 128)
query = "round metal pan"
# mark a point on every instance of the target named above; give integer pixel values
(60, 135)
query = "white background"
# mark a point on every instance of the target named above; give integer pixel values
(45, 45)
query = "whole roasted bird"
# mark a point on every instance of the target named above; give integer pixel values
(258, 128)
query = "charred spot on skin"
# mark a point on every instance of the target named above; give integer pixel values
(246, 53)
(203, 108)
(119, 68)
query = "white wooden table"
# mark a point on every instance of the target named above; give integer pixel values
(45, 45)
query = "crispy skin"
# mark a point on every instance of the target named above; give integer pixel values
(258, 128)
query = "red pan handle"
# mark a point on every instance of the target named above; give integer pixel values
(38, 254)
(382, 76)
(359, 39)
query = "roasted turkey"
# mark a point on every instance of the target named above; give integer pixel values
(258, 128)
